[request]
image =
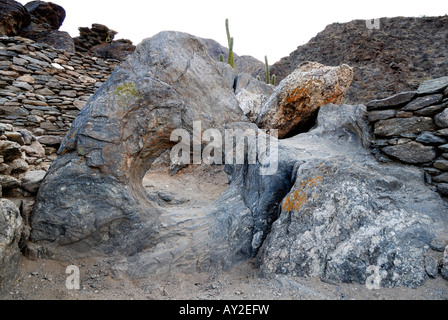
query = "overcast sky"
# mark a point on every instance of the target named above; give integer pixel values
(274, 28)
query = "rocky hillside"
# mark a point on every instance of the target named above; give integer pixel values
(40, 21)
(396, 58)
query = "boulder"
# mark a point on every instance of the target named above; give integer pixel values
(169, 82)
(46, 12)
(293, 106)
(13, 17)
(10, 231)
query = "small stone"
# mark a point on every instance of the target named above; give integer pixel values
(442, 188)
(412, 153)
(431, 266)
(444, 270)
(68, 93)
(430, 111)
(442, 119)
(433, 86)
(26, 78)
(404, 114)
(441, 165)
(381, 115)
(443, 178)
(32, 180)
(16, 137)
(394, 101)
(430, 138)
(423, 102)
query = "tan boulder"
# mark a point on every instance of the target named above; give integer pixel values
(297, 99)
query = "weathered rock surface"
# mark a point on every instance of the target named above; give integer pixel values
(10, 232)
(346, 215)
(13, 17)
(296, 100)
(169, 82)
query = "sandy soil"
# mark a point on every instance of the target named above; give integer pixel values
(194, 187)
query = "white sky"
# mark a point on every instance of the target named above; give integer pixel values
(274, 28)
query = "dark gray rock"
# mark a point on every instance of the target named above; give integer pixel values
(442, 119)
(422, 102)
(10, 231)
(441, 164)
(441, 178)
(430, 138)
(381, 115)
(412, 152)
(335, 222)
(10, 150)
(400, 126)
(430, 111)
(443, 188)
(394, 101)
(433, 86)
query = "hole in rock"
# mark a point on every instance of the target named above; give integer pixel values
(303, 128)
(194, 186)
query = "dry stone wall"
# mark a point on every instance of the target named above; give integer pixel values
(412, 128)
(43, 89)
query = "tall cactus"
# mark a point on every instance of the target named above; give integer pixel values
(231, 59)
(268, 76)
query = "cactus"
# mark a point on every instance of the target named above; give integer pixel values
(258, 78)
(231, 60)
(273, 79)
(268, 76)
(221, 57)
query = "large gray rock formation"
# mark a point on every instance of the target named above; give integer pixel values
(329, 209)
(347, 215)
(167, 84)
(10, 232)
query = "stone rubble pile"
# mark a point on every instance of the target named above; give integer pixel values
(412, 128)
